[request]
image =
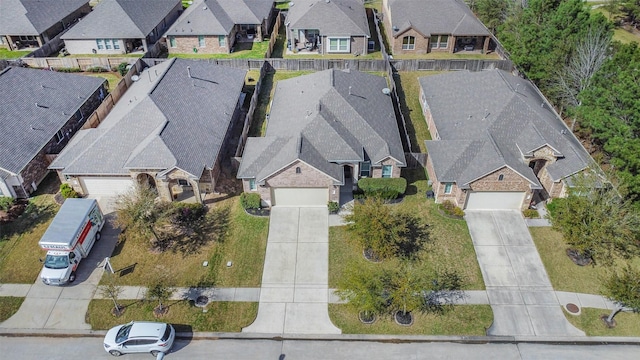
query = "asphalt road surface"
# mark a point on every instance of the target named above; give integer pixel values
(91, 348)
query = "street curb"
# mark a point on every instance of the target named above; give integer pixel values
(392, 339)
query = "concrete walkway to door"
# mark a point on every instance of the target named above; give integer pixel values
(518, 288)
(294, 294)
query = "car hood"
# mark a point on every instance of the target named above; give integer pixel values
(110, 337)
(54, 274)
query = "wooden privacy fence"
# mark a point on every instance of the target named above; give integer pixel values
(274, 35)
(77, 63)
(248, 120)
(415, 160)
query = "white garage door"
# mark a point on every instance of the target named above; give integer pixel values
(495, 200)
(300, 196)
(106, 185)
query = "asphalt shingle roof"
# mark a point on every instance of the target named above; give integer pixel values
(166, 119)
(35, 105)
(435, 17)
(121, 19)
(330, 17)
(323, 119)
(491, 119)
(33, 17)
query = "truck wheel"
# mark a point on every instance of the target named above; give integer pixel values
(98, 235)
(155, 353)
(72, 277)
(115, 353)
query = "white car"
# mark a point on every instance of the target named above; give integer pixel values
(139, 337)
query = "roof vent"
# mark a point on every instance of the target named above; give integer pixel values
(204, 8)
(563, 131)
(395, 28)
(386, 91)
(135, 78)
(41, 106)
(327, 1)
(291, 3)
(189, 71)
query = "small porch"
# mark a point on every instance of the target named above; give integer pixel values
(306, 41)
(23, 42)
(249, 33)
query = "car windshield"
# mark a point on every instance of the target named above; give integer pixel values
(56, 262)
(123, 333)
(167, 333)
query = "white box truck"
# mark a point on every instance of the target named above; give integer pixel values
(69, 238)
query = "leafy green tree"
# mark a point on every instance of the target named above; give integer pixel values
(597, 222)
(492, 12)
(137, 210)
(363, 289)
(631, 11)
(405, 286)
(160, 291)
(623, 288)
(446, 290)
(112, 289)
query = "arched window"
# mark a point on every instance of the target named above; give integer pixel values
(298, 170)
(408, 43)
(501, 177)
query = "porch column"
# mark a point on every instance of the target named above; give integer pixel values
(39, 38)
(144, 45)
(485, 47)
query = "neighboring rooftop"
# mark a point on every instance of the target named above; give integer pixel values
(323, 119)
(33, 17)
(121, 19)
(490, 119)
(35, 105)
(439, 17)
(330, 17)
(176, 115)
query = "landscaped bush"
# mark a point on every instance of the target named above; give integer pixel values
(122, 68)
(385, 188)
(450, 209)
(333, 206)
(189, 213)
(250, 200)
(67, 191)
(5, 203)
(68, 70)
(531, 213)
(97, 69)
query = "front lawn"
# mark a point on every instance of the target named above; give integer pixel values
(242, 50)
(19, 250)
(467, 320)
(627, 324)
(220, 316)
(8, 306)
(244, 245)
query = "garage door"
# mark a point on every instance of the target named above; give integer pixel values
(495, 200)
(300, 196)
(106, 185)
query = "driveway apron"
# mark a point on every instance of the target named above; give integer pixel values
(519, 290)
(295, 290)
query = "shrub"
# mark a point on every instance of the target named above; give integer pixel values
(334, 207)
(250, 200)
(67, 191)
(531, 213)
(189, 213)
(385, 188)
(68, 70)
(122, 68)
(97, 69)
(5, 203)
(450, 209)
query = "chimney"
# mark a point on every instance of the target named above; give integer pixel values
(349, 89)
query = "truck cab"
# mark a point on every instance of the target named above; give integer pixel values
(59, 267)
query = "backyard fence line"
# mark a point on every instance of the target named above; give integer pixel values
(274, 35)
(248, 120)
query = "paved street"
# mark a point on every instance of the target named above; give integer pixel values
(295, 290)
(91, 348)
(518, 288)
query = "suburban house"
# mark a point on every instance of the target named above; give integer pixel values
(328, 27)
(170, 130)
(39, 112)
(214, 26)
(33, 23)
(122, 26)
(424, 26)
(325, 131)
(497, 143)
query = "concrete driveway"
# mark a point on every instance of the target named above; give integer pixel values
(519, 290)
(294, 294)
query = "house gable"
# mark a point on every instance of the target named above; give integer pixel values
(503, 179)
(307, 176)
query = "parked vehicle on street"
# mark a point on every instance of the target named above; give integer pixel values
(140, 337)
(69, 239)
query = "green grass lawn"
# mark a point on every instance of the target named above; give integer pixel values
(627, 324)
(464, 320)
(8, 54)
(619, 33)
(244, 245)
(244, 50)
(446, 55)
(19, 250)
(220, 316)
(112, 77)
(8, 306)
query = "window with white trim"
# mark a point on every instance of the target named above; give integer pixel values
(201, 41)
(365, 169)
(100, 44)
(107, 44)
(448, 187)
(339, 45)
(59, 136)
(444, 41)
(408, 43)
(172, 41)
(116, 44)
(222, 40)
(386, 171)
(252, 185)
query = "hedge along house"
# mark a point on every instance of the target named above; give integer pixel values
(424, 26)
(327, 27)
(325, 131)
(122, 26)
(171, 129)
(215, 26)
(497, 143)
(33, 23)
(39, 112)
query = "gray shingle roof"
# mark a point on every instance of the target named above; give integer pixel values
(33, 17)
(323, 119)
(448, 17)
(165, 120)
(202, 18)
(120, 19)
(330, 17)
(35, 105)
(491, 119)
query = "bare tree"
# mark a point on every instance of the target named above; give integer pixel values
(576, 75)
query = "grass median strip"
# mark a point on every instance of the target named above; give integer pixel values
(627, 324)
